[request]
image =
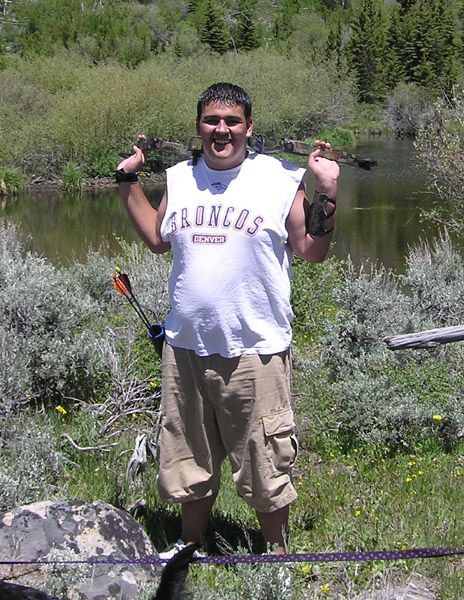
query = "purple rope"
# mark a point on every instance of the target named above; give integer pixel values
(360, 556)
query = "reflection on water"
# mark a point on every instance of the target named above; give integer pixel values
(63, 227)
(378, 212)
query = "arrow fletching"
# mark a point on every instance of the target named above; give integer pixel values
(119, 286)
(122, 284)
(124, 278)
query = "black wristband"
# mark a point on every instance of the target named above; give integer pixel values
(122, 176)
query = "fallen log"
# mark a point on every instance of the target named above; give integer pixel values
(430, 338)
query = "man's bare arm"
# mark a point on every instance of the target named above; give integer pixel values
(147, 219)
(309, 242)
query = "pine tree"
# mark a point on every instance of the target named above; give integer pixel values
(366, 50)
(395, 70)
(334, 47)
(430, 49)
(405, 5)
(283, 23)
(442, 44)
(214, 30)
(247, 35)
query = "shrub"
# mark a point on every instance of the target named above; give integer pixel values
(30, 464)
(312, 300)
(435, 276)
(337, 136)
(61, 340)
(71, 177)
(260, 582)
(408, 109)
(370, 307)
(71, 115)
(440, 149)
(50, 319)
(12, 180)
(380, 396)
(94, 277)
(368, 117)
(28, 91)
(148, 274)
(14, 375)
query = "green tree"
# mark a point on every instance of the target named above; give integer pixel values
(186, 41)
(283, 24)
(366, 50)
(48, 24)
(335, 4)
(214, 31)
(334, 46)
(430, 50)
(395, 71)
(405, 5)
(309, 32)
(247, 32)
(111, 29)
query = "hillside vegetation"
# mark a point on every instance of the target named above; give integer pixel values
(79, 79)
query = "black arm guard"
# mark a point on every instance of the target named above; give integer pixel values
(122, 176)
(316, 214)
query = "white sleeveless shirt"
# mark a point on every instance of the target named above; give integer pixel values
(229, 286)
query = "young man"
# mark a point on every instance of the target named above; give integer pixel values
(232, 220)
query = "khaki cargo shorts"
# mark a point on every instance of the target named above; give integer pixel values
(215, 407)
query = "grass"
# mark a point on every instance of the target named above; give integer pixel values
(11, 180)
(369, 498)
(362, 500)
(367, 501)
(368, 117)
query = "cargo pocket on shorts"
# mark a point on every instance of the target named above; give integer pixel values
(280, 440)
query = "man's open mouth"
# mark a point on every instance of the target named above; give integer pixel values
(221, 142)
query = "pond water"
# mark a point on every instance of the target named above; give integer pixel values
(378, 213)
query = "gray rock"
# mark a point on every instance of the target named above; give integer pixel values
(81, 530)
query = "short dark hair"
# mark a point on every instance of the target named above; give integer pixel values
(225, 93)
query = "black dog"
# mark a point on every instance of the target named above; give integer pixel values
(174, 574)
(171, 586)
(13, 591)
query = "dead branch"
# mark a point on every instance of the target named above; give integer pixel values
(105, 448)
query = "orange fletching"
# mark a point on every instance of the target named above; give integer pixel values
(124, 278)
(119, 286)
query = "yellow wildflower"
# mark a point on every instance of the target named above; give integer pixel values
(357, 513)
(408, 479)
(325, 589)
(437, 418)
(61, 410)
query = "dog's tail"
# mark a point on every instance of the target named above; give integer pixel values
(174, 574)
(13, 591)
